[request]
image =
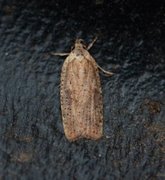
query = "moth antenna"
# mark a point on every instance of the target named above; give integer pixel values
(91, 44)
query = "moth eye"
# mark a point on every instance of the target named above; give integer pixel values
(78, 40)
(81, 41)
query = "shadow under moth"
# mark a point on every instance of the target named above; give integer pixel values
(81, 94)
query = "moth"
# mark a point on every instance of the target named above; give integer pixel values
(81, 94)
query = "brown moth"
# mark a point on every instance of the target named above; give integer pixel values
(81, 94)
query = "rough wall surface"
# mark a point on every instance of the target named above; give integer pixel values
(130, 43)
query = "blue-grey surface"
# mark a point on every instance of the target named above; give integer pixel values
(130, 43)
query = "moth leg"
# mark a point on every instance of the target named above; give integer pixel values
(91, 44)
(59, 54)
(105, 72)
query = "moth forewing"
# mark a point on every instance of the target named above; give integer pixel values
(81, 94)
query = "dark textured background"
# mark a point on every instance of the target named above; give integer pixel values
(131, 43)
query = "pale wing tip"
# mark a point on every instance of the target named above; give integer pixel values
(74, 137)
(94, 136)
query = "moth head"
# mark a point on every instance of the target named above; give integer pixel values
(79, 43)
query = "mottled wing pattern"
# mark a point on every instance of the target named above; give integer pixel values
(81, 98)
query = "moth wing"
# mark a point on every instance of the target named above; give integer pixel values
(81, 99)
